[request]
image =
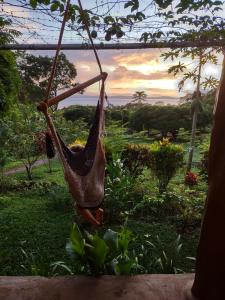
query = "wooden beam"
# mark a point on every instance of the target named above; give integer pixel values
(115, 46)
(76, 89)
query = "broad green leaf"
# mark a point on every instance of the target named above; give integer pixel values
(77, 241)
(98, 251)
(111, 239)
(124, 265)
(125, 237)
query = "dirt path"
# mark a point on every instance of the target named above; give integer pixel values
(38, 163)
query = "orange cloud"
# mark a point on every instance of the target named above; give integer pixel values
(137, 58)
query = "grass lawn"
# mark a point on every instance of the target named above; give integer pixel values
(35, 225)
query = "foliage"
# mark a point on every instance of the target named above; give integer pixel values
(79, 112)
(9, 78)
(118, 187)
(116, 137)
(35, 73)
(103, 255)
(167, 259)
(191, 73)
(138, 98)
(165, 161)
(86, 113)
(183, 135)
(58, 200)
(5, 133)
(7, 34)
(182, 20)
(135, 158)
(191, 179)
(45, 227)
(9, 81)
(118, 113)
(68, 130)
(26, 123)
(166, 118)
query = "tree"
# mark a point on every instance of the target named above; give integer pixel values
(7, 34)
(139, 97)
(158, 20)
(167, 118)
(35, 72)
(9, 79)
(194, 73)
(9, 86)
(26, 123)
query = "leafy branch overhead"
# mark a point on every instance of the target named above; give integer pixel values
(189, 70)
(157, 21)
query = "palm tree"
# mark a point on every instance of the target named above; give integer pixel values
(139, 97)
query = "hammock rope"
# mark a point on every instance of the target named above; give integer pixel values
(57, 50)
(90, 37)
(81, 186)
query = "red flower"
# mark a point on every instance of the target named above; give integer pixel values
(191, 178)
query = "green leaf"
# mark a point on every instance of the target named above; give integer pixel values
(125, 237)
(97, 253)
(77, 241)
(124, 265)
(54, 6)
(111, 239)
(33, 3)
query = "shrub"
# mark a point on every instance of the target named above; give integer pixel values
(118, 187)
(165, 160)
(135, 158)
(183, 135)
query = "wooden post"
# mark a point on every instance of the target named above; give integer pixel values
(117, 46)
(209, 283)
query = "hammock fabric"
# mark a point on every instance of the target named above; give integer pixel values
(84, 170)
(81, 162)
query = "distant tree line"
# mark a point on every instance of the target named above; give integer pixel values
(168, 118)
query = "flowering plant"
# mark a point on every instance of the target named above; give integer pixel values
(191, 178)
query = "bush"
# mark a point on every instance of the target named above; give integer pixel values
(118, 188)
(135, 158)
(165, 160)
(183, 135)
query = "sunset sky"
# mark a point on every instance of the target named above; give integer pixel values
(130, 71)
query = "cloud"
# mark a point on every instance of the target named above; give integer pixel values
(128, 71)
(137, 58)
(122, 73)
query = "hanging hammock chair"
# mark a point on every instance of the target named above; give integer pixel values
(84, 170)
